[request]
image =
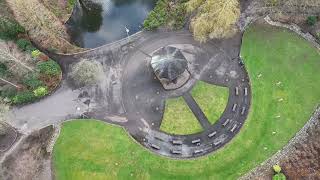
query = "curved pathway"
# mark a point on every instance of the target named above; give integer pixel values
(132, 97)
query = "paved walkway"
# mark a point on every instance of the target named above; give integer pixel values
(129, 94)
(196, 110)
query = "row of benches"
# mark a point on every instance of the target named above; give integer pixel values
(234, 109)
(245, 91)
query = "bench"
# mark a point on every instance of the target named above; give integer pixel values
(198, 151)
(217, 143)
(176, 142)
(245, 91)
(234, 128)
(226, 122)
(176, 151)
(155, 147)
(212, 134)
(243, 110)
(234, 107)
(195, 141)
(237, 91)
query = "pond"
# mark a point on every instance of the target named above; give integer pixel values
(98, 22)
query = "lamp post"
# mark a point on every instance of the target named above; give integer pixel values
(127, 30)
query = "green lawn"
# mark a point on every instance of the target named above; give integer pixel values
(94, 150)
(211, 99)
(178, 118)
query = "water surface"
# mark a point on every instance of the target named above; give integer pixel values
(104, 21)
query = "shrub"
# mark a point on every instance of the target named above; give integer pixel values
(8, 91)
(311, 20)
(279, 176)
(277, 168)
(24, 44)
(86, 72)
(40, 91)
(43, 57)
(35, 53)
(32, 81)
(49, 68)
(158, 16)
(24, 97)
(3, 70)
(178, 16)
(10, 29)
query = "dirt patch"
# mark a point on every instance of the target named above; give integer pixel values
(30, 159)
(304, 162)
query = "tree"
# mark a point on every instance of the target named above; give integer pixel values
(86, 72)
(10, 83)
(10, 53)
(215, 19)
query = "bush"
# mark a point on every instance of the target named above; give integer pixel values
(32, 81)
(158, 16)
(277, 168)
(8, 91)
(40, 91)
(163, 14)
(24, 97)
(178, 16)
(311, 20)
(35, 53)
(279, 176)
(86, 73)
(24, 44)
(10, 29)
(49, 68)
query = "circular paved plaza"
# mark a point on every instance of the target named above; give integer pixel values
(144, 97)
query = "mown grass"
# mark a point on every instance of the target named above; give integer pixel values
(211, 99)
(94, 150)
(178, 118)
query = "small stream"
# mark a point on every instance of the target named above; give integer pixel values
(98, 22)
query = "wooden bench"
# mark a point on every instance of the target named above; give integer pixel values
(176, 142)
(217, 143)
(198, 151)
(176, 151)
(234, 107)
(195, 141)
(243, 110)
(245, 91)
(234, 128)
(155, 147)
(226, 122)
(212, 134)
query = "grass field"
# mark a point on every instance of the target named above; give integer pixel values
(281, 65)
(178, 118)
(211, 99)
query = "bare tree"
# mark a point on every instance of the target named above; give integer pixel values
(10, 83)
(215, 19)
(10, 53)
